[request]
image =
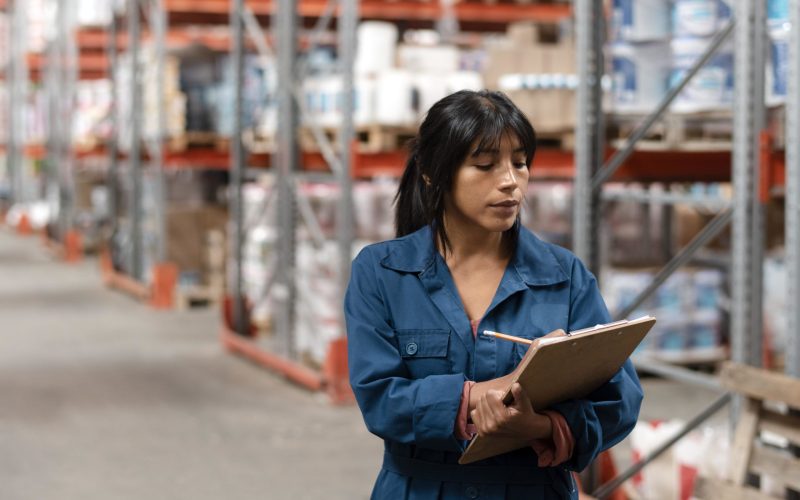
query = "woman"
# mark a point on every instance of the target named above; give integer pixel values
(424, 377)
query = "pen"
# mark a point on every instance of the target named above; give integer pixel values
(503, 336)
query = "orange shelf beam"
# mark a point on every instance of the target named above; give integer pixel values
(216, 11)
(293, 371)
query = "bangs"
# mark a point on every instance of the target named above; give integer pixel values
(504, 123)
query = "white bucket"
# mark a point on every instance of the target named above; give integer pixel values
(394, 98)
(377, 45)
(428, 89)
(640, 20)
(464, 80)
(712, 86)
(640, 74)
(778, 66)
(431, 59)
(698, 17)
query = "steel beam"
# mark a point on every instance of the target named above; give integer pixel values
(793, 195)
(747, 245)
(286, 159)
(589, 138)
(135, 210)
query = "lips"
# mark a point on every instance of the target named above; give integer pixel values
(506, 204)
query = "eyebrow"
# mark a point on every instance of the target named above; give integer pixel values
(479, 152)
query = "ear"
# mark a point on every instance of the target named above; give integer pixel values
(426, 180)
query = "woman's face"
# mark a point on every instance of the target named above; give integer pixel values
(489, 187)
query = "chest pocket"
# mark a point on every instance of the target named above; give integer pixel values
(424, 351)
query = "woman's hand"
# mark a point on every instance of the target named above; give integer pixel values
(492, 417)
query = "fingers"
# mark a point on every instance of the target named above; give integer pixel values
(490, 414)
(521, 400)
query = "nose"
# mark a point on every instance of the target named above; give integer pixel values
(508, 178)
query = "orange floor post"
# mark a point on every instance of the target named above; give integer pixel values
(106, 266)
(336, 374)
(165, 278)
(24, 226)
(608, 471)
(73, 246)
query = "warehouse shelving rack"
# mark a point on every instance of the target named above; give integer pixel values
(755, 170)
(345, 165)
(17, 77)
(160, 292)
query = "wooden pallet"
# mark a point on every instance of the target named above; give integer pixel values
(370, 138)
(556, 140)
(188, 140)
(258, 143)
(188, 297)
(752, 453)
(711, 131)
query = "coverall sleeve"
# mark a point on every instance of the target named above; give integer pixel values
(394, 406)
(607, 415)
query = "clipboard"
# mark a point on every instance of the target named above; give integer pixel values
(565, 367)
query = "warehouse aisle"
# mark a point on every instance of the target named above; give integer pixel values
(104, 398)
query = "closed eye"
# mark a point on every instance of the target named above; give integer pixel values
(485, 167)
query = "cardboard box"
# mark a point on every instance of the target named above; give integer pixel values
(188, 231)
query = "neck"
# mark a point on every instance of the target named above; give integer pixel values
(467, 241)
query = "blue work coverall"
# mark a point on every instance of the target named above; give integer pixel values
(410, 348)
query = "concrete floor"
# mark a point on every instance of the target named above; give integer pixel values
(104, 398)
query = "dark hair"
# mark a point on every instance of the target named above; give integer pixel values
(445, 138)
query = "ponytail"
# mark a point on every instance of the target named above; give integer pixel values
(410, 213)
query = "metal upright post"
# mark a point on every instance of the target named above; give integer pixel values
(589, 130)
(135, 212)
(748, 239)
(158, 23)
(793, 194)
(17, 101)
(286, 157)
(348, 21)
(51, 86)
(237, 168)
(68, 61)
(113, 151)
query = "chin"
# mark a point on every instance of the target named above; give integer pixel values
(501, 226)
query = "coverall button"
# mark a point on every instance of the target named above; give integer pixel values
(411, 348)
(471, 492)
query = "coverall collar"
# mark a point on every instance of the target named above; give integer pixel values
(533, 260)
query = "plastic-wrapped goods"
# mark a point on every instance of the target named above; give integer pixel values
(778, 65)
(4, 35)
(640, 20)
(698, 18)
(91, 123)
(689, 308)
(547, 211)
(704, 451)
(777, 12)
(36, 117)
(258, 81)
(374, 209)
(712, 87)
(94, 12)
(775, 286)
(40, 26)
(394, 99)
(323, 99)
(377, 44)
(640, 75)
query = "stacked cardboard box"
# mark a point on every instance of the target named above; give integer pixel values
(535, 66)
